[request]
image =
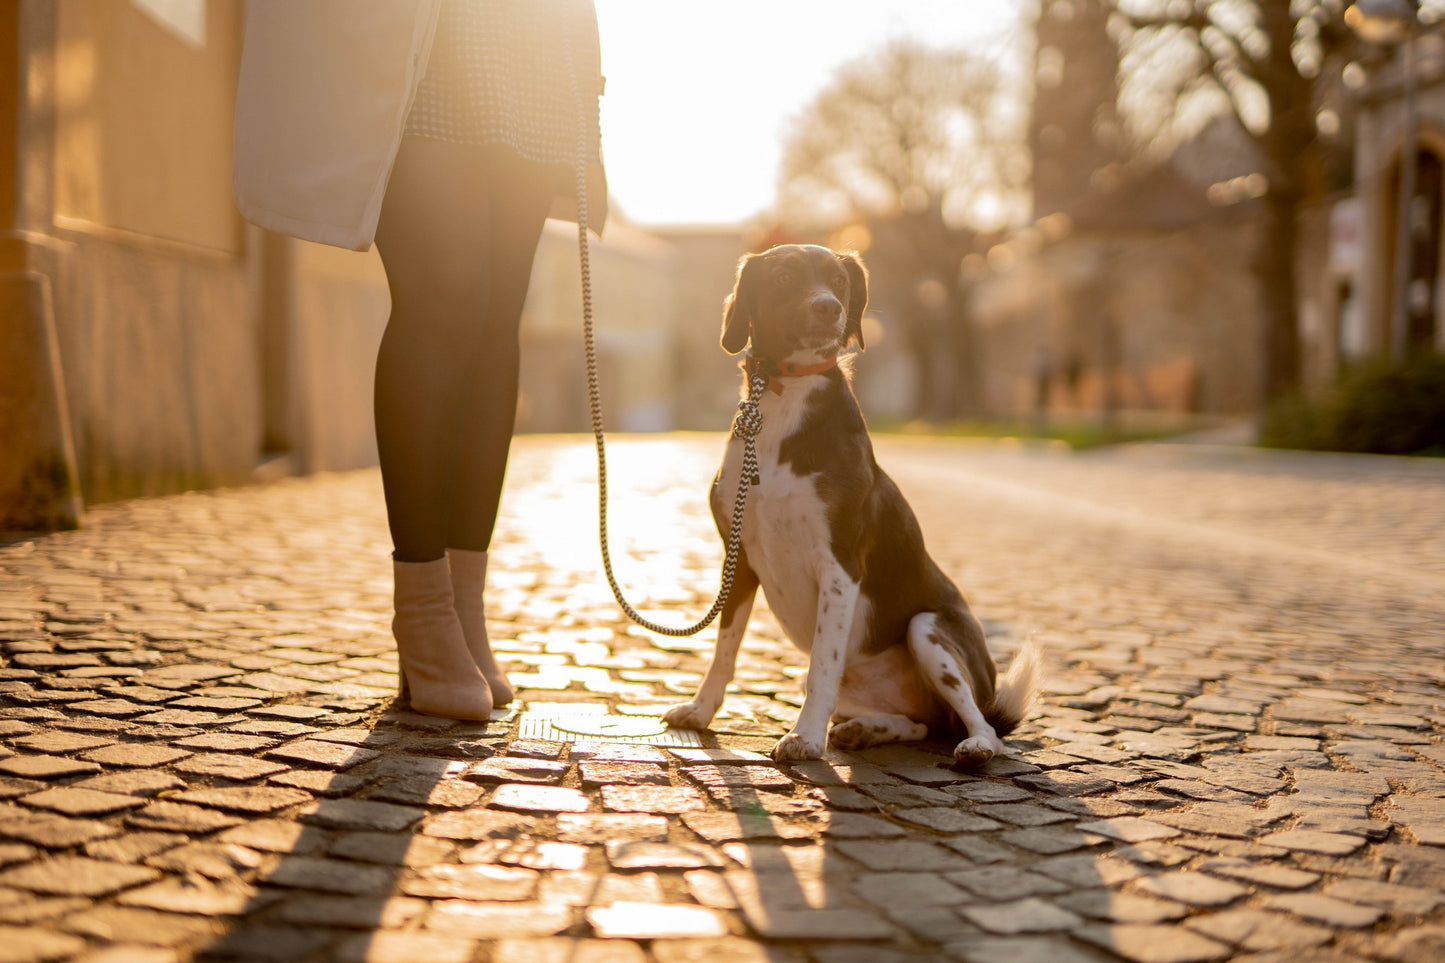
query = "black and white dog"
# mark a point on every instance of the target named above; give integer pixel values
(894, 651)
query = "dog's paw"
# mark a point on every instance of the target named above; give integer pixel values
(793, 747)
(689, 715)
(851, 735)
(855, 734)
(975, 752)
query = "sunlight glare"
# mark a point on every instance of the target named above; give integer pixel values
(699, 95)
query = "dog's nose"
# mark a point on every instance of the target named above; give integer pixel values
(827, 308)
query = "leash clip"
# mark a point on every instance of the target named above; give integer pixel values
(748, 422)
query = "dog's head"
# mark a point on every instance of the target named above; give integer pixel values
(797, 303)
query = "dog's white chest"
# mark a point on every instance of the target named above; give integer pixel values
(785, 522)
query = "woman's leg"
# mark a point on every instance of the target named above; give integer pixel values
(490, 407)
(518, 203)
(457, 227)
(458, 231)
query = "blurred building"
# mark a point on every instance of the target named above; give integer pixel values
(634, 285)
(705, 269)
(1134, 296)
(153, 342)
(1354, 313)
(135, 358)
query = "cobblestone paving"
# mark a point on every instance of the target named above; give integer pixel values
(1238, 754)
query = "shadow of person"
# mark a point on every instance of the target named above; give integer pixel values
(325, 879)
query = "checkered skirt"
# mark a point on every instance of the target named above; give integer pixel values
(503, 72)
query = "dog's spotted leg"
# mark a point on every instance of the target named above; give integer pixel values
(951, 682)
(837, 600)
(864, 731)
(732, 624)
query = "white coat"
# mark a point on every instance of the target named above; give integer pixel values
(321, 105)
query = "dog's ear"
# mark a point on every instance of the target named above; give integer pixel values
(738, 308)
(857, 298)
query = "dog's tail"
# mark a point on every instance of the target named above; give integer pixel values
(1015, 691)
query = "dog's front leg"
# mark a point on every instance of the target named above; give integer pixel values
(733, 623)
(837, 600)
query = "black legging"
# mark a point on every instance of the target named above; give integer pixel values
(458, 231)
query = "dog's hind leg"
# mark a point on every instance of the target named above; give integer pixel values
(860, 732)
(953, 683)
(732, 623)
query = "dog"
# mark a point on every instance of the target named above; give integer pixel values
(894, 651)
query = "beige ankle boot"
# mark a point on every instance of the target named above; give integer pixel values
(436, 668)
(469, 574)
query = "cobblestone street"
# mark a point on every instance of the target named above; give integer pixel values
(1239, 752)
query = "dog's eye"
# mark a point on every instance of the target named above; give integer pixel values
(783, 277)
(840, 281)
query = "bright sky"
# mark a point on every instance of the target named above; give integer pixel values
(699, 94)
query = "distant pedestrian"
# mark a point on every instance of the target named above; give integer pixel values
(445, 130)
(1043, 374)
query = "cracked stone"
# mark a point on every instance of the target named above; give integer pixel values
(330, 875)
(1195, 889)
(721, 827)
(244, 799)
(642, 854)
(858, 826)
(75, 801)
(1325, 909)
(76, 876)
(34, 943)
(1156, 943)
(56, 832)
(1264, 874)
(180, 817)
(1124, 908)
(1048, 840)
(724, 783)
(1260, 931)
(135, 755)
(1022, 916)
(136, 782)
(907, 890)
(326, 755)
(1128, 829)
(1005, 882)
(59, 743)
(652, 799)
(360, 814)
(656, 921)
(604, 827)
(548, 799)
(47, 767)
(720, 757)
(1065, 783)
(498, 921)
(1327, 844)
(480, 824)
(595, 774)
(504, 769)
(901, 855)
(1400, 900)
(943, 819)
(225, 766)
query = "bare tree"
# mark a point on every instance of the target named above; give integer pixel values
(1265, 61)
(925, 148)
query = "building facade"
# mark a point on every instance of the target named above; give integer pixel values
(154, 342)
(1356, 304)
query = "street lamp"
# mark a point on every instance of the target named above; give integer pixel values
(1392, 23)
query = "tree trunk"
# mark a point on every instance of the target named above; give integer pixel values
(1274, 269)
(1289, 149)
